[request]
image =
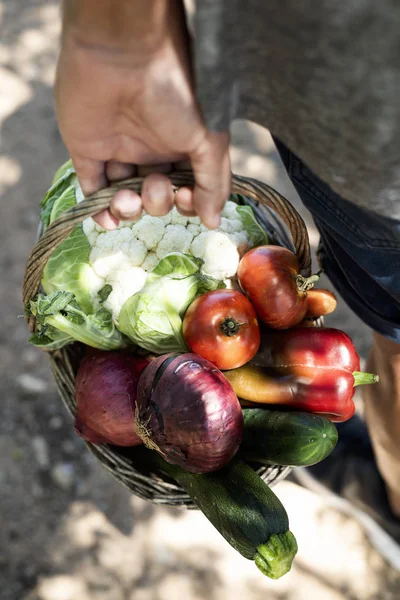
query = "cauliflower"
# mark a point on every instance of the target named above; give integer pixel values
(122, 258)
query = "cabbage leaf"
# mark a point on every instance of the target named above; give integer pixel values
(255, 233)
(60, 321)
(152, 318)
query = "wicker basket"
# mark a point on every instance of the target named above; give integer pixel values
(65, 362)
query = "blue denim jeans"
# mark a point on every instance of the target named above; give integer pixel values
(359, 250)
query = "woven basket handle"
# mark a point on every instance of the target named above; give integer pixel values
(63, 226)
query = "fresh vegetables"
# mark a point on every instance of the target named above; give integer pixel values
(152, 318)
(319, 369)
(286, 438)
(222, 327)
(270, 277)
(105, 392)
(244, 510)
(187, 411)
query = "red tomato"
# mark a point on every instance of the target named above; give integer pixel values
(222, 327)
(269, 276)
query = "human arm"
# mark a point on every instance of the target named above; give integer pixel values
(124, 97)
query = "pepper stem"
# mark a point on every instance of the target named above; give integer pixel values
(230, 326)
(307, 283)
(275, 557)
(361, 378)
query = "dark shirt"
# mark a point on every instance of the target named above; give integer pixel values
(321, 75)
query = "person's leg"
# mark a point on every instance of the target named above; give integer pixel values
(360, 253)
(382, 413)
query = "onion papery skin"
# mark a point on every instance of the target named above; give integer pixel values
(188, 412)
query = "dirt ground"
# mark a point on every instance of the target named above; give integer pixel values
(68, 530)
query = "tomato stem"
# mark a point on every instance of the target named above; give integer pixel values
(307, 283)
(230, 326)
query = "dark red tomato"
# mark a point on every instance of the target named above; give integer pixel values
(269, 276)
(222, 327)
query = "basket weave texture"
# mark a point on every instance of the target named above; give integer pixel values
(65, 362)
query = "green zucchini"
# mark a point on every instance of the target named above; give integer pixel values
(286, 438)
(241, 506)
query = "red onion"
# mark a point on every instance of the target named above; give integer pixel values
(105, 392)
(187, 411)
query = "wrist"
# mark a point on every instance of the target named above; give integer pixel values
(127, 27)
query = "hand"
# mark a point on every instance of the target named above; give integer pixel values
(119, 107)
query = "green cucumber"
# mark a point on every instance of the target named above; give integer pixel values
(286, 438)
(241, 507)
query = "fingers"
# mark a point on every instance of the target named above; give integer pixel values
(157, 194)
(90, 173)
(184, 202)
(211, 167)
(126, 205)
(92, 177)
(106, 220)
(212, 172)
(117, 171)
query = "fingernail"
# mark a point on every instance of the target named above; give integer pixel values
(106, 220)
(127, 204)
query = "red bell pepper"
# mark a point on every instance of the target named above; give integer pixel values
(320, 368)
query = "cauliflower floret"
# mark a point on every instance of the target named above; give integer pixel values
(150, 262)
(125, 284)
(177, 218)
(108, 240)
(89, 230)
(176, 239)
(149, 230)
(229, 210)
(241, 241)
(137, 252)
(197, 247)
(226, 226)
(88, 226)
(124, 235)
(236, 224)
(105, 262)
(166, 219)
(194, 220)
(124, 224)
(219, 253)
(194, 229)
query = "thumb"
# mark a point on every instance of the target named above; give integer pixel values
(212, 172)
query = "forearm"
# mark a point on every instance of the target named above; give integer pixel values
(118, 24)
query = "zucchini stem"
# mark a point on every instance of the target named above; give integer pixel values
(275, 557)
